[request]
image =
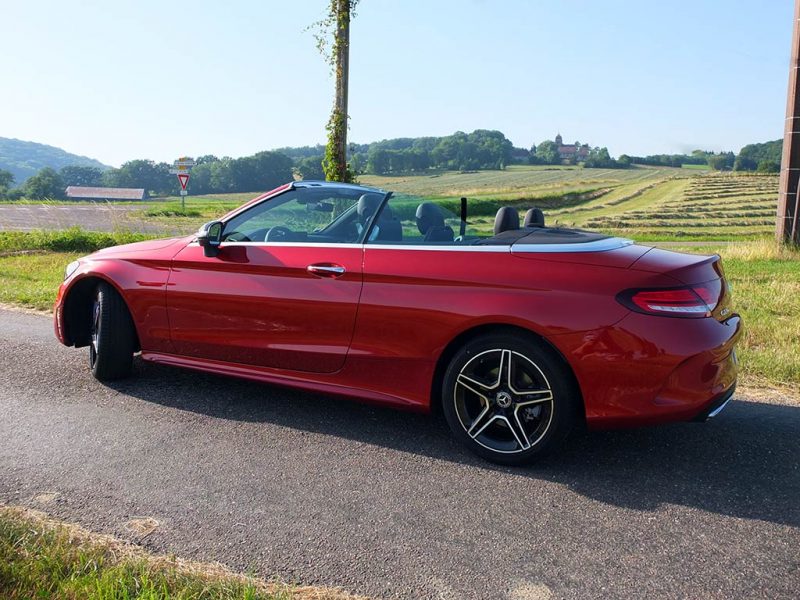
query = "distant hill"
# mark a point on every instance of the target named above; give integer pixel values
(24, 159)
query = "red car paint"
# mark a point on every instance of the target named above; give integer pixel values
(378, 332)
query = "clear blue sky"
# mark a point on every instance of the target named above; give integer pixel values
(119, 80)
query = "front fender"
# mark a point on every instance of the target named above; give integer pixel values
(141, 283)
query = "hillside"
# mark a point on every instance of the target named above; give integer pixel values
(24, 159)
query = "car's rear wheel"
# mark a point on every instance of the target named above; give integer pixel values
(509, 399)
(113, 339)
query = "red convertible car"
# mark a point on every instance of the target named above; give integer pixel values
(515, 332)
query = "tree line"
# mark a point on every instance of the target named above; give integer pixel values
(211, 175)
(481, 149)
(761, 158)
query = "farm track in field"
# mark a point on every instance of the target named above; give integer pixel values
(513, 183)
(716, 204)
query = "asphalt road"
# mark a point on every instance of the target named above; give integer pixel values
(100, 216)
(319, 490)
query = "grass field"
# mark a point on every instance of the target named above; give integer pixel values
(714, 205)
(517, 181)
(42, 558)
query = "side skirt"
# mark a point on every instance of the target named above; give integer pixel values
(306, 381)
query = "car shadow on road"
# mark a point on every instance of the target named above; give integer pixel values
(745, 463)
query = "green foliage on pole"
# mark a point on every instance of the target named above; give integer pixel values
(333, 165)
(335, 26)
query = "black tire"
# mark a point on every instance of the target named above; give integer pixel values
(113, 338)
(495, 414)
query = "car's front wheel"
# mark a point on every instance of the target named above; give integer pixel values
(113, 339)
(509, 399)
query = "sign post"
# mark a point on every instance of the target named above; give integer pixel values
(181, 168)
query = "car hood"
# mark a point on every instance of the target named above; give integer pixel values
(156, 247)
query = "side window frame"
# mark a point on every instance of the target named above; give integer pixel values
(266, 205)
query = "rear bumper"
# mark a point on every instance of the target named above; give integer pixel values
(647, 370)
(716, 406)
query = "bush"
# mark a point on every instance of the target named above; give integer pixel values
(768, 166)
(73, 239)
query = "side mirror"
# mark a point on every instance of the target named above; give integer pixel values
(209, 237)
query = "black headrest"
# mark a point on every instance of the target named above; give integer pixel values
(428, 215)
(533, 218)
(507, 218)
(367, 205)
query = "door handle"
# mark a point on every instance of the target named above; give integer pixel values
(326, 270)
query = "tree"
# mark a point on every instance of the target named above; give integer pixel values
(141, 173)
(378, 161)
(768, 166)
(338, 21)
(83, 176)
(599, 158)
(311, 168)
(221, 176)
(547, 153)
(45, 184)
(6, 181)
(752, 155)
(721, 162)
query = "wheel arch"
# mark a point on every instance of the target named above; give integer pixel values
(493, 328)
(76, 320)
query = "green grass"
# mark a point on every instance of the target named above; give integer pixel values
(172, 210)
(73, 239)
(32, 262)
(31, 280)
(516, 182)
(196, 211)
(40, 558)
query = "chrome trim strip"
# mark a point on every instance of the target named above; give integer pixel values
(720, 408)
(604, 245)
(506, 249)
(292, 244)
(596, 246)
(368, 246)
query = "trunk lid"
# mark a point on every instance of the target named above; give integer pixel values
(692, 270)
(686, 268)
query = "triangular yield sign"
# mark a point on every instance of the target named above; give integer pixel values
(184, 179)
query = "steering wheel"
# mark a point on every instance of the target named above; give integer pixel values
(278, 234)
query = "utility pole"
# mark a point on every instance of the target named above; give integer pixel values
(343, 76)
(787, 228)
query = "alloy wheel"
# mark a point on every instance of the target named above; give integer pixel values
(503, 401)
(95, 331)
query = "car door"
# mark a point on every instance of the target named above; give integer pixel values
(284, 300)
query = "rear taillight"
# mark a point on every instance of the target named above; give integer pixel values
(692, 301)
